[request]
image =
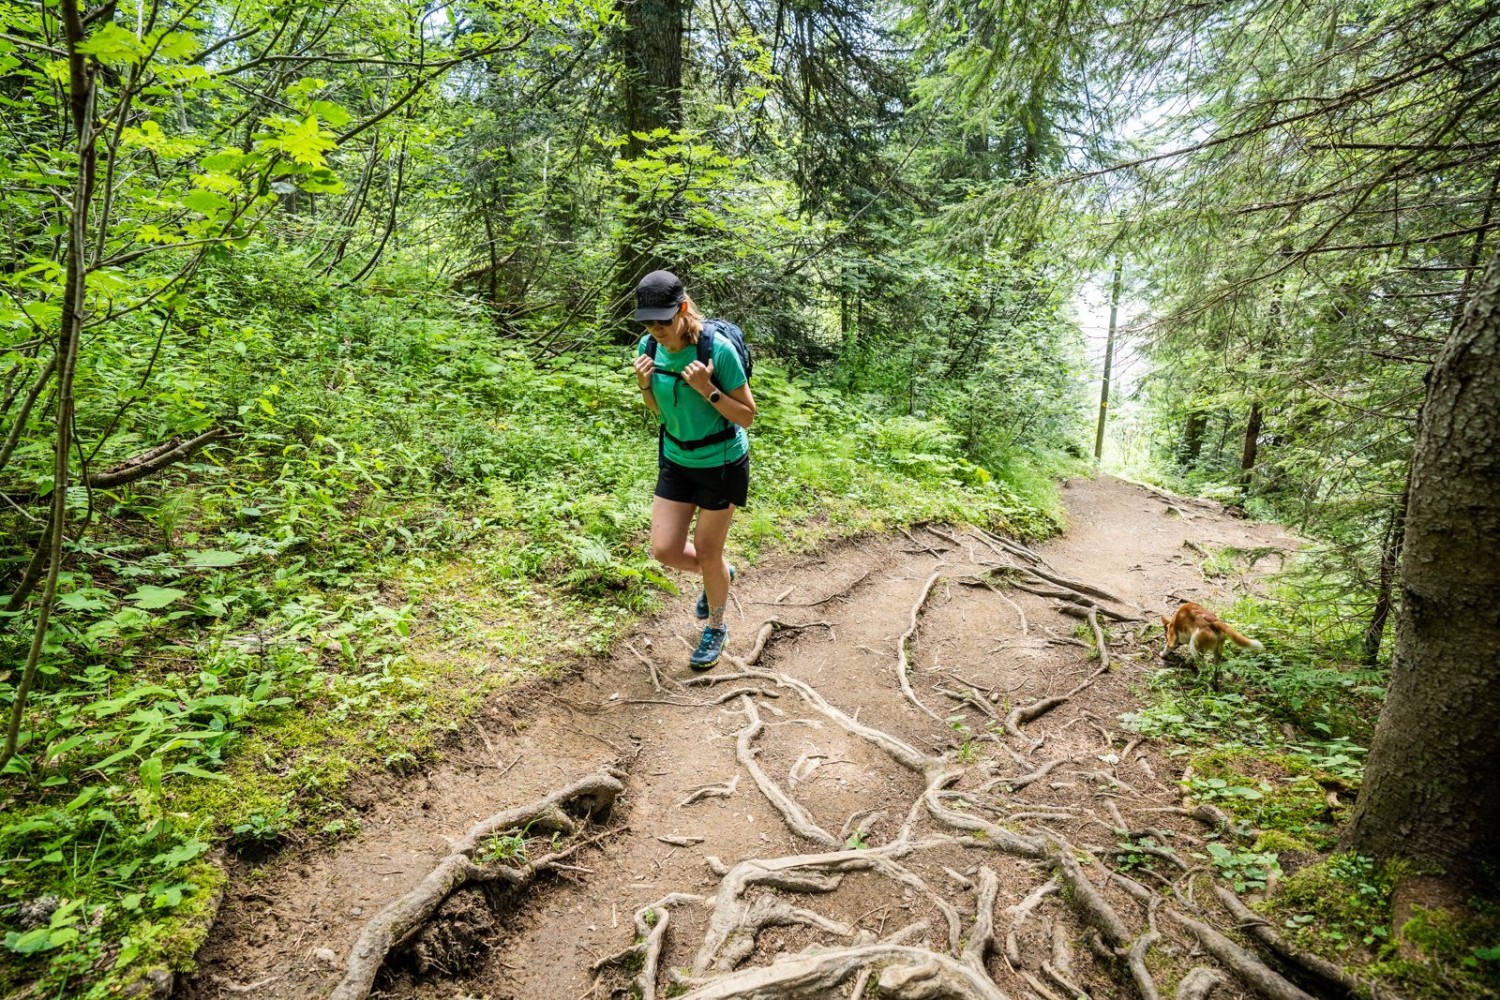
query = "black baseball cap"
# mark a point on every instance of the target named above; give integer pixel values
(658, 296)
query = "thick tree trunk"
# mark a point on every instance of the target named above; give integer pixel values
(1192, 438)
(1431, 791)
(1252, 443)
(651, 98)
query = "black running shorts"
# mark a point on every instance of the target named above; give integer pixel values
(713, 488)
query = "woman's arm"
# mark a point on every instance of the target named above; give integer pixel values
(644, 366)
(735, 405)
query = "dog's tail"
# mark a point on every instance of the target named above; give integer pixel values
(1236, 638)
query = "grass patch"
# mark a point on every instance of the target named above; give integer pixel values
(1280, 749)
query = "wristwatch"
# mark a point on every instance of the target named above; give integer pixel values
(715, 396)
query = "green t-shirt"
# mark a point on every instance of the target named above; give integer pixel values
(689, 416)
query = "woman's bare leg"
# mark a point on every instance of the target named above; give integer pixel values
(670, 520)
(708, 545)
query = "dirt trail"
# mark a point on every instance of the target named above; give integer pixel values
(543, 942)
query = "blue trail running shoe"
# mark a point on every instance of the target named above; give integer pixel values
(702, 609)
(709, 647)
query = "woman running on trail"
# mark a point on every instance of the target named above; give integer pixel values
(704, 457)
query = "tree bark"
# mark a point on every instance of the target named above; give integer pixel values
(651, 98)
(1192, 439)
(1252, 443)
(1431, 791)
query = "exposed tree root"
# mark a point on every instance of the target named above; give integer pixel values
(772, 625)
(924, 547)
(906, 973)
(831, 597)
(1018, 915)
(899, 751)
(903, 664)
(1022, 714)
(1020, 612)
(736, 920)
(1257, 927)
(1016, 784)
(982, 934)
(650, 666)
(650, 930)
(1078, 587)
(972, 698)
(1199, 983)
(1087, 900)
(1071, 989)
(401, 920)
(1039, 987)
(1254, 973)
(756, 893)
(791, 812)
(1101, 643)
(1136, 957)
(1006, 840)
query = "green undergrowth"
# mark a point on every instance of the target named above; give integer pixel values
(1278, 744)
(412, 512)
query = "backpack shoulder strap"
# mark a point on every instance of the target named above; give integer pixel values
(706, 342)
(651, 347)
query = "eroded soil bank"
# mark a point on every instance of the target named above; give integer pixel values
(937, 837)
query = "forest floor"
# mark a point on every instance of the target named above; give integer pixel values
(926, 844)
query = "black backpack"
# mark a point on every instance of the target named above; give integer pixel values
(711, 328)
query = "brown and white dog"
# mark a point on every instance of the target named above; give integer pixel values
(1203, 631)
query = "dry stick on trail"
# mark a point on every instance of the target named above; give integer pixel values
(824, 600)
(400, 921)
(1028, 713)
(650, 666)
(719, 791)
(1014, 548)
